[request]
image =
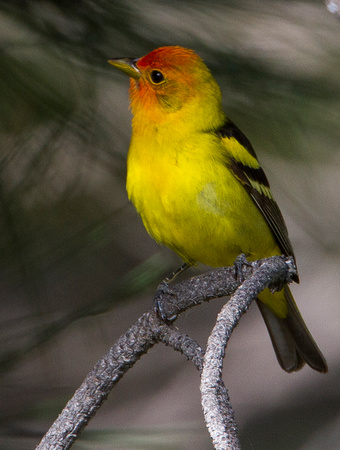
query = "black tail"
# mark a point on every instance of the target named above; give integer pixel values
(293, 344)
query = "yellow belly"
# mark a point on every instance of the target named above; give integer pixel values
(194, 205)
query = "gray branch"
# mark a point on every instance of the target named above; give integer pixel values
(217, 409)
(149, 330)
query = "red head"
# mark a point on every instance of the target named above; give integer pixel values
(170, 80)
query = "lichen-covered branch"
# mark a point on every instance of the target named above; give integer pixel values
(217, 409)
(149, 330)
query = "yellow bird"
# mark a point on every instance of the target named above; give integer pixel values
(198, 186)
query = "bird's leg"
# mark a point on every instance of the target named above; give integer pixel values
(238, 263)
(163, 288)
(178, 271)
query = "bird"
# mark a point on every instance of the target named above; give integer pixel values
(195, 180)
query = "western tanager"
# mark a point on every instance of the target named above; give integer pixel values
(194, 178)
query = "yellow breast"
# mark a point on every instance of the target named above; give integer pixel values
(190, 201)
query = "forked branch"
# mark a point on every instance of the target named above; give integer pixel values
(149, 330)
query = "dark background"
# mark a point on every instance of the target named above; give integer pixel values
(76, 265)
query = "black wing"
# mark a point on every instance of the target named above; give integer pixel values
(242, 161)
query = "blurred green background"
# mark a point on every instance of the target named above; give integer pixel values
(77, 267)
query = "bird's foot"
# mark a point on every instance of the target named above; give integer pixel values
(158, 302)
(239, 262)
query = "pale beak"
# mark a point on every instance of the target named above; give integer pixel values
(127, 65)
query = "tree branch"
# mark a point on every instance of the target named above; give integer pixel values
(217, 409)
(149, 329)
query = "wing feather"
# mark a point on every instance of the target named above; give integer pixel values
(242, 161)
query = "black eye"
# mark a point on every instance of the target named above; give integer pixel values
(157, 76)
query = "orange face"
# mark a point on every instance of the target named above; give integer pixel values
(170, 80)
(167, 77)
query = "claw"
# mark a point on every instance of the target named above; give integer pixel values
(239, 262)
(163, 289)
